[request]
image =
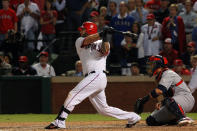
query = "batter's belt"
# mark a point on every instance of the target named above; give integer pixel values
(95, 72)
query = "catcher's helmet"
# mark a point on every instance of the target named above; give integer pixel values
(157, 62)
(90, 27)
(23, 59)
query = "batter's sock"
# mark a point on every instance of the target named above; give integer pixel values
(63, 113)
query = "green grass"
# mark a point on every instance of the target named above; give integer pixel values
(72, 117)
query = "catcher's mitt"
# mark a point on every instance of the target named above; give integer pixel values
(139, 106)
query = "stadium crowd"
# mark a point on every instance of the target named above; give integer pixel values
(164, 27)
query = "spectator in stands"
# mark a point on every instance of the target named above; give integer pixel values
(5, 68)
(78, 70)
(180, 4)
(135, 69)
(162, 12)
(189, 19)
(152, 34)
(40, 3)
(193, 63)
(129, 45)
(174, 28)
(94, 4)
(94, 17)
(136, 29)
(131, 6)
(140, 12)
(7, 59)
(8, 21)
(186, 57)
(76, 10)
(121, 22)
(29, 13)
(43, 68)
(179, 67)
(192, 84)
(23, 67)
(168, 52)
(149, 41)
(48, 20)
(103, 11)
(118, 3)
(195, 6)
(59, 6)
(129, 50)
(102, 23)
(112, 10)
(153, 5)
(15, 3)
(194, 36)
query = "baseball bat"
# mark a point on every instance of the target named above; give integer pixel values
(125, 33)
(50, 44)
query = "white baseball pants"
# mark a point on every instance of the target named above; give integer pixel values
(93, 86)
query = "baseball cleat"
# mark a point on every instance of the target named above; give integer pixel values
(132, 123)
(52, 126)
(185, 121)
(129, 125)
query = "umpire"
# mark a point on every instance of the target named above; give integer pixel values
(177, 97)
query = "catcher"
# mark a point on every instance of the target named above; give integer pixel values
(176, 96)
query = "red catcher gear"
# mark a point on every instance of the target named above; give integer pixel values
(91, 28)
(23, 59)
(157, 62)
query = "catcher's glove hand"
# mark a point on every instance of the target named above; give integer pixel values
(139, 106)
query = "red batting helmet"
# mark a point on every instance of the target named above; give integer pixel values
(91, 28)
(23, 59)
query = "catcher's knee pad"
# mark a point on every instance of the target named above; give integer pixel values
(174, 108)
(151, 121)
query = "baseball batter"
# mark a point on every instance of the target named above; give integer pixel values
(177, 96)
(93, 53)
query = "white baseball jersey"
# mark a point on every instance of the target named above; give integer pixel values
(182, 94)
(193, 82)
(90, 56)
(47, 71)
(151, 47)
(93, 85)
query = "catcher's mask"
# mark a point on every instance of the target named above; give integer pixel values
(155, 62)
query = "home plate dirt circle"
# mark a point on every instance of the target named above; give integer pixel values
(93, 125)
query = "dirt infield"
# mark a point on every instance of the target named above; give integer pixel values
(95, 126)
